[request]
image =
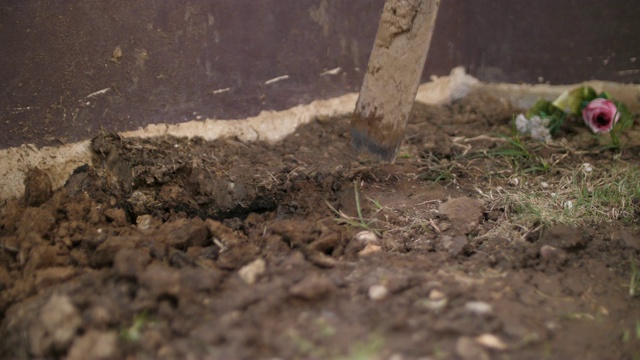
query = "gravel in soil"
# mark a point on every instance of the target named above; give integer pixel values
(170, 248)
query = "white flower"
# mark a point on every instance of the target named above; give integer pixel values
(522, 124)
(536, 127)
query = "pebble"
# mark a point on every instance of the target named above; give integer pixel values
(252, 271)
(145, 223)
(436, 295)
(478, 307)
(366, 236)
(378, 292)
(436, 302)
(491, 341)
(549, 252)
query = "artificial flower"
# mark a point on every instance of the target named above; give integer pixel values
(536, 127)
(600, 115)
(598, 110)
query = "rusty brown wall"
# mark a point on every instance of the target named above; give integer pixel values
(178, 55)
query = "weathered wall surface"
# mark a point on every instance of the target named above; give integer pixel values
(71, 68)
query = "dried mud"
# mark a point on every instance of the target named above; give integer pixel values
(172, 248)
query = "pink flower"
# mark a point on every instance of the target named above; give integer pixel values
(600, 115)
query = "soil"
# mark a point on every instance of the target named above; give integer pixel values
(171, 248)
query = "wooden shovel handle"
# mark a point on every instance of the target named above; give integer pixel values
(393, 75)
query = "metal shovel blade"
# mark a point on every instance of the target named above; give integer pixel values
(393, 75)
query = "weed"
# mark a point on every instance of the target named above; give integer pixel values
(440, 173)
(365, 350)
(360, 221)
(132, 333)
(583, 195)
(516, 152)
(627, 335)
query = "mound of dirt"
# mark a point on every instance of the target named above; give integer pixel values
(170, 248)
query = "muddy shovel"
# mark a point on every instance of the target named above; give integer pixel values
(393, 75)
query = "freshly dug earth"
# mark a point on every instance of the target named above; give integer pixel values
(171, 248)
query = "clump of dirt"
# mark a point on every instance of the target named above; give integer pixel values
(171, 248)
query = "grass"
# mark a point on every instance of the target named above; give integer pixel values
(536, 191)
(132, 333)
(358, 221)
(584, 194)
(516, 152)
(632, 334)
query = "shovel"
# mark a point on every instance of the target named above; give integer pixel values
(393, 75)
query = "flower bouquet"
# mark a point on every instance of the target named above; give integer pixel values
(599, 112)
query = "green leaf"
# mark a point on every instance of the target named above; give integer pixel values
(571, 101)
(540, 108)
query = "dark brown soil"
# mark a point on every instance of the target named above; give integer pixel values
(173, 248)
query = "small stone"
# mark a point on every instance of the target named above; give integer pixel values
(252, 271)
(478, 307)
(436, 302)
(514, 182)
(468, 349)
(549, 252)
(94, 345)
(491, 341)
(436, 295)
(312, 287)
(378, 292)
(146, 223)
(366, 236)
(370, 249)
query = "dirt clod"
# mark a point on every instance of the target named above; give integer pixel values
(56, 327)
(464, 213)
(312, 287)
(37, 187)
(98, 345)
